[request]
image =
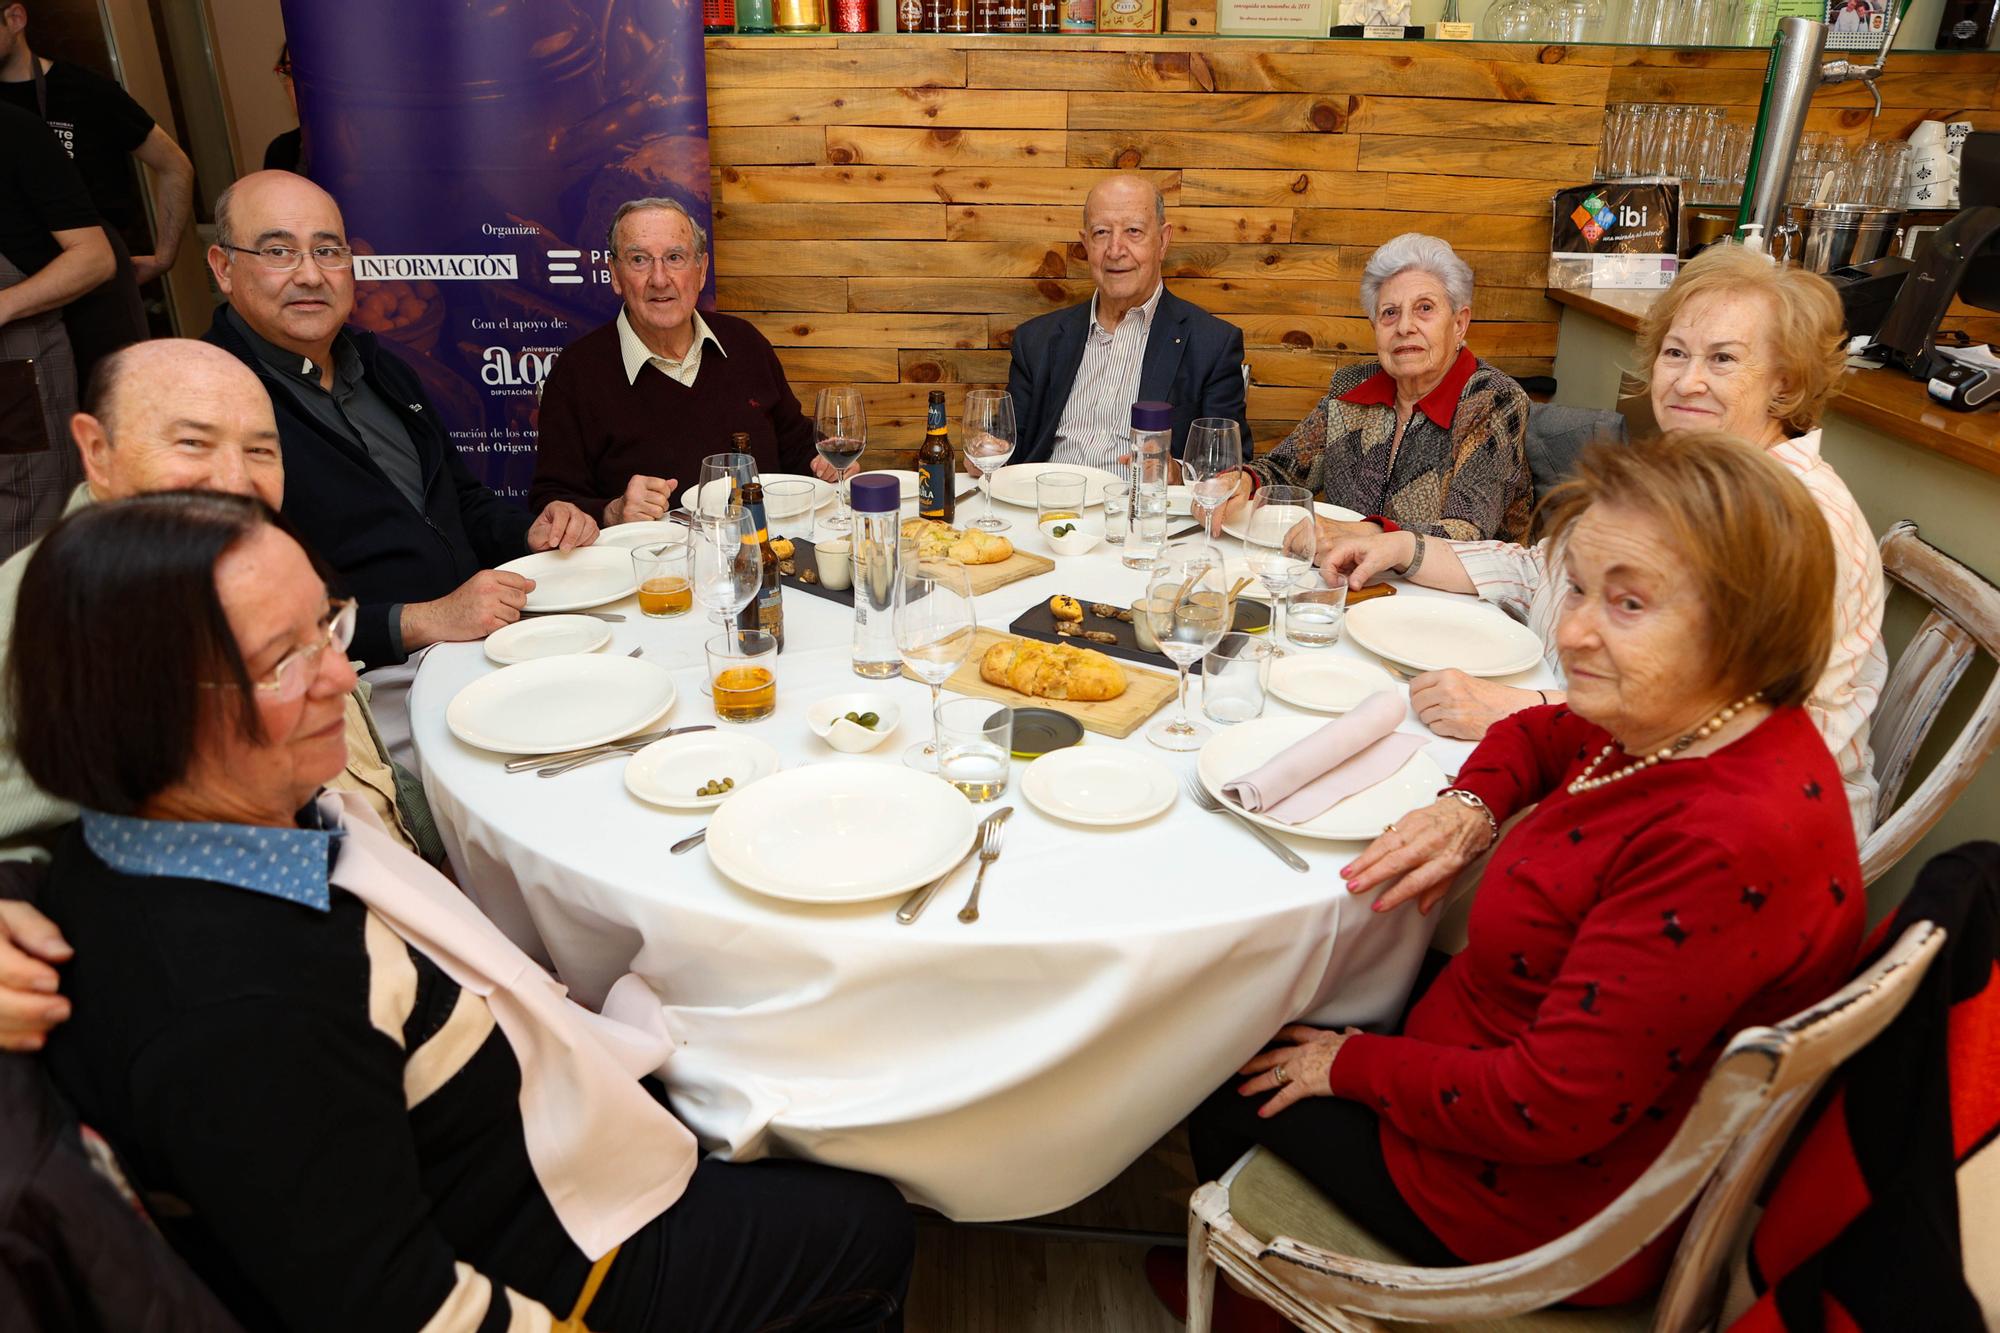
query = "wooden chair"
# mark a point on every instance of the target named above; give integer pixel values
(1964, 619)
(1280, 1240)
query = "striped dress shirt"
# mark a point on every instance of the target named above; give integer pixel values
(1096, 423)
(1520, 580)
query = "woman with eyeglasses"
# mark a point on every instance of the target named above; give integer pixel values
(369, 1109)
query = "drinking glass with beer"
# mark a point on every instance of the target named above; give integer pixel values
(743, 674)
(666, 584)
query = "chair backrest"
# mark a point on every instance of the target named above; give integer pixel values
(1720, 1155)
(1964, 619)
(1820, 1039)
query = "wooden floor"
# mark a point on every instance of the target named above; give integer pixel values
(981, 1280)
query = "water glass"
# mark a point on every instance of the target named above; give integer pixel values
(975, 744)
(1317, 614)
(1234, 678)
(1213, 453)
(934, 620)
(790, 506)
(1146, 535)
(1059, 498)
(1117, 511)
(743, 675)
(1184, 607)
(666, 580)
(723, 477)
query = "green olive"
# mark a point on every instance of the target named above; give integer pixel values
(728, 783)
(854, 717)
(868, 720)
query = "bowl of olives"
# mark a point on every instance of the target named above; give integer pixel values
(854, 722)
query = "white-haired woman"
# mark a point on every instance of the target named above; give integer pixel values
(1427, 436)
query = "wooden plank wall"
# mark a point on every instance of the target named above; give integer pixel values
(889, 209)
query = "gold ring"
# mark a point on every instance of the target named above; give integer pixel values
(1281, 1076)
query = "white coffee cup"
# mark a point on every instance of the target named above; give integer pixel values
(836, 565)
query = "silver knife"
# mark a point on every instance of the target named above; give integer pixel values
(914, 905)
(538, 760)
(965, 495)
(1187, 531)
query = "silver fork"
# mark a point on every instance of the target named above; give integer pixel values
(989, 852)
(1207, 802)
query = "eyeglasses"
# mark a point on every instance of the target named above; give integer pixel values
(674, 261)
(289, 680)
(286, 258)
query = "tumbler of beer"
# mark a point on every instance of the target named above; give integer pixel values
(743, 671)
(666, 587)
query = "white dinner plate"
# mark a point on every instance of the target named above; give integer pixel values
(629, 535)
(1362, 816)
(1015, 483)
(1236, 527)
(709, 499)
(573, 580)
(1433, 633)
(1093, 785)
(821, 833)
(546, 636)
(560, 703)
(1326, 684)
(669, 772)
(904, 477)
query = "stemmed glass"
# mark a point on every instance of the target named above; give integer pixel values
(934, 622)
(728, 563)
(739, 470)
(1186, 607)
(989, 443)
(1214, 452)
(1280, 539)
(840, 426)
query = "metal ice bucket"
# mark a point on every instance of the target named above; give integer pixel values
(1834, 236)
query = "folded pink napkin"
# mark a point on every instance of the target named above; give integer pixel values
(1343, 757)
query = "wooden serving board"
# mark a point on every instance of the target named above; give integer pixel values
(982, 578)
(1039, 622)
(1145, 691)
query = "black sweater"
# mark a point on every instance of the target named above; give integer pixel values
(255, 1060)
(352, 516)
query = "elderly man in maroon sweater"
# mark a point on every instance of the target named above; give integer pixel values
(632, 408)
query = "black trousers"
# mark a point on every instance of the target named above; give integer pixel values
(765, 1247)
(1333, 1142)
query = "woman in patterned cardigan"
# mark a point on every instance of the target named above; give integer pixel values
(1427, 437)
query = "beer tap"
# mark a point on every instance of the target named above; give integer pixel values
(1846, 71)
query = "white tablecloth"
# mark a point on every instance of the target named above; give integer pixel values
(999, 1070)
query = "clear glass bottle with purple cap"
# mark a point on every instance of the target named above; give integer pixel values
(1152, 448)
(877, 500)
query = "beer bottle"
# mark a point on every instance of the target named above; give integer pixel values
(766, 611)
(936, 496)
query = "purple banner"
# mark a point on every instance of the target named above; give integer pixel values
(478, 149)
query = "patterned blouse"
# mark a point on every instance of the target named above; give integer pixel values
(1460, 472)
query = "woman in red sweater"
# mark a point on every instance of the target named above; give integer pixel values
(1688, 869)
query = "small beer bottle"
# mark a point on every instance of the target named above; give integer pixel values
(936, 496)
(766, 611)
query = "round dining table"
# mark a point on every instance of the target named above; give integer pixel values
(997, 1070)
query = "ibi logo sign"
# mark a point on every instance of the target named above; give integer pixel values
(1593, 217)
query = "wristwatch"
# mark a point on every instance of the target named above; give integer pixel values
(1417, 560)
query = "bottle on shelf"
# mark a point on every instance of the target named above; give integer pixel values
(766, 611)
(753, 15)
(878, 526)
(913, 16)
(936, 496)
(718, 16)
(854, 15)
(1044, 16)
(957, 16)
(799, 15)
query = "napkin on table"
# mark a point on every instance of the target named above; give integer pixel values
(1347, 755)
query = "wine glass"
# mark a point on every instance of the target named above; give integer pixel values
(989, 443)
(738, 470)
(1279, 538)
(934, 620)
(1214, 451)
(728, 562)
(840, 426)
(1186, 607)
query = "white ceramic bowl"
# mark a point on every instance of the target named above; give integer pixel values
(1079, 540)
(828, 719)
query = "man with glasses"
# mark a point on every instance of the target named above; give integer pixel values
(378, 489)
(632, 408)
(172, 414)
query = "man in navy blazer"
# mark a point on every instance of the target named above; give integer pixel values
(1076, 372)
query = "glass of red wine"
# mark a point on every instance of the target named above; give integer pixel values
(840, 425)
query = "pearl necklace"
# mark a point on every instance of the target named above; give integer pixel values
(1585, 782)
